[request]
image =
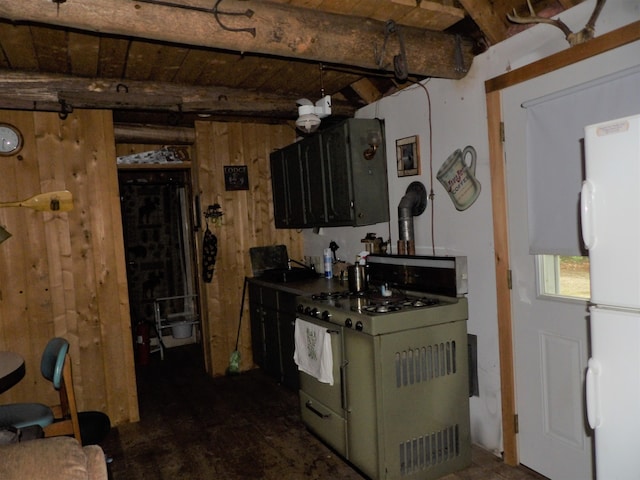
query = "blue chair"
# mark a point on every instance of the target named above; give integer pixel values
(56, 420)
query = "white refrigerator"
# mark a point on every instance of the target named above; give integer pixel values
(610, 215)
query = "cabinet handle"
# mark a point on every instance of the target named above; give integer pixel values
(310, 406)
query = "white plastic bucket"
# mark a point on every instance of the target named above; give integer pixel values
(181, 329)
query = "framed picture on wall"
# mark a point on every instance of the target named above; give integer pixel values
(236, 177)
(408, 156)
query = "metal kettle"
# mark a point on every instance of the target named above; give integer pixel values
(357, 276)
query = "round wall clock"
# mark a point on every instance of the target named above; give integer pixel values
(10, 139)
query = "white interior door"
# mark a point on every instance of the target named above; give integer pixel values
(550, 336)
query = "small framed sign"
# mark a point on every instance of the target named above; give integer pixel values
(408, 156)
(236, 177)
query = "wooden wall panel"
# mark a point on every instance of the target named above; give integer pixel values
(247, 222)
(64, 274)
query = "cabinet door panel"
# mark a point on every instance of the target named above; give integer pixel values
(335, 151)
(257, 330)
(313, 181)
(293, 166)
(325, 180)
(279, 188)
(370, 192)
(272, 364)
(287, 321)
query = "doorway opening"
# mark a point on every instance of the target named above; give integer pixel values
(158, 225)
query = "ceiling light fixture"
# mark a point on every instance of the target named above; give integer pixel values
(309, 115)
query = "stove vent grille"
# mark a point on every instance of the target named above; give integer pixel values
(425, 364)
(419, 454)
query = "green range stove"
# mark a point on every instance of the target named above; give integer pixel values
(398, 406)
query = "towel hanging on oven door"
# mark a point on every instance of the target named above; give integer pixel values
(313, 353)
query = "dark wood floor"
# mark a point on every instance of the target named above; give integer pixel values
(237, 427)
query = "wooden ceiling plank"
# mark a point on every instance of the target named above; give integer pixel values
(253, 71)
(280, 30)
(432, 15)
(167, 63)
(219, 66)
(51, 48)
(490, 17)
(385, 10)
(366, 90)
(193, 65)
(140, 59)
(113, 57)
(84, 54)
(17, 44)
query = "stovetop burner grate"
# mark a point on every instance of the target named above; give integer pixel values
(414, 302)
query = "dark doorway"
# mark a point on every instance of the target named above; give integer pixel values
(158, 226)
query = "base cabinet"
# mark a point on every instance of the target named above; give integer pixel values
(336, 177)
(272, 330)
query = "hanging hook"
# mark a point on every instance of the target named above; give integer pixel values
(65, 109)
(399, 61)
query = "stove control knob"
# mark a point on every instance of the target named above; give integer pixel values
(359, 326)
(300, 308)
(314, 312)
(326, 315)
(307, 310)
(348, 323)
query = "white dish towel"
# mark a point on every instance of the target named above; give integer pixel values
(313, 353)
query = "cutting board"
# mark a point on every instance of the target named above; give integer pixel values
(268, 258)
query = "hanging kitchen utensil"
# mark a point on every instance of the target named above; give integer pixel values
(60, 201)
(234, 358)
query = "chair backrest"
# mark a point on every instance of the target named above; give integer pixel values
(56, 367)
(52, 362)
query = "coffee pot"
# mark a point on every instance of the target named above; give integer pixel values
(357, 276)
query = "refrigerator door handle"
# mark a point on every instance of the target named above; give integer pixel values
(591, 387)
(586, 217)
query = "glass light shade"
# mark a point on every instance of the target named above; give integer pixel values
(308, 122)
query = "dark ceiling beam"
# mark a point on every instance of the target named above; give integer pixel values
(280, 30)
(49, 92)
(153, 134)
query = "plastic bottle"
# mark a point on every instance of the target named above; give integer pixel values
(328, 264)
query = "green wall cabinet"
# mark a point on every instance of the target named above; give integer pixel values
(336, 177)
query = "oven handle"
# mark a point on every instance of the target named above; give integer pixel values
(310, 406)
(343, 388)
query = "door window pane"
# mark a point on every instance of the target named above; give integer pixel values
(564, 276)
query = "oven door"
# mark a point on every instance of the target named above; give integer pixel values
(322, 405)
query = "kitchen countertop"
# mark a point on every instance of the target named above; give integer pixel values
(304, 287)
